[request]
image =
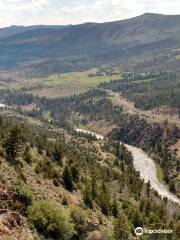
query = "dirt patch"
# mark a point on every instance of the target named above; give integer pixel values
(157, 116)
(12, 226)
(167, 111)
(176, 147)
(103, 127)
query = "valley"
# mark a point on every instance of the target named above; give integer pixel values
(90, 130)
(154, 115)
(59, 85)
(145, 166)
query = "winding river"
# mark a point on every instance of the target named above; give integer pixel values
(145, 166)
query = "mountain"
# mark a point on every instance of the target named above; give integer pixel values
(14, 29)
(99, 41)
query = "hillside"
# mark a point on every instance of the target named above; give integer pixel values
(95, 110)
(12, 30)
(101, 42)
(63, 186)
(90, 130)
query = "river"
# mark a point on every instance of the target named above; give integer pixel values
(145, 166)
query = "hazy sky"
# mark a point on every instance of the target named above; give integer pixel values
(30, 12)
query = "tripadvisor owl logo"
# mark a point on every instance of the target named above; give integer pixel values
(139, 231)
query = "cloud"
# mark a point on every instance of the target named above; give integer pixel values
(25, 12)
(22, 5)
(105, 10)
(78, 8)
(118, 8)
(106, 4)
(109, 10)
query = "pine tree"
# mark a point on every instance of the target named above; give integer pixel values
(172, 186)
(68, 179)
(121, 227)
(94, 187)
(75, 173)
(115, 208)
(88, 197)
(104, 200)
(148, 188)
(14, 142)
(57, 153)
(27, 155)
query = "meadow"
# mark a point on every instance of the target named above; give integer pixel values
(62, 85)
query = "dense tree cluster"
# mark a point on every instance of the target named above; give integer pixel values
(114, 188)
(94, 106)
(149, 90)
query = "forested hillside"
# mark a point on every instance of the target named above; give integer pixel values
(58, 85)
(73, 187)
(94, 107)
(89, 44)
(149, 90)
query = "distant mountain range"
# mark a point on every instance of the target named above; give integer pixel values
(101, 42)
(12, 30)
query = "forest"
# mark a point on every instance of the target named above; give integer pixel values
(71, 112)
(96, 187)
(118, 79)
(149, 90)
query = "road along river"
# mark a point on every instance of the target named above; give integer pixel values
(145, 166)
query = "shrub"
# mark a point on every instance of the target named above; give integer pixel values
(79, 218)
(25, 194)
(47, 168)
(27, 155)
(51, 220)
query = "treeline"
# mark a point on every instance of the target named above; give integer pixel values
(65, 112)
(109, 189)
(94, 106)
(152, 138)
(148, 90)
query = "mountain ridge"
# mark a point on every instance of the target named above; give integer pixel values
(88, 39)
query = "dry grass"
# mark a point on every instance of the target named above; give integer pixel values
(151, 115)
(60, 85)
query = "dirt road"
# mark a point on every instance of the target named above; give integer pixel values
(151, 115)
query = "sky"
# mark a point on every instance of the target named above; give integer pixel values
(58, 12)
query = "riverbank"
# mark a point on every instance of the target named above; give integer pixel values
(145, 166)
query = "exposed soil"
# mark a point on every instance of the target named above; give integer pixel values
(176, 147)
(158, 115)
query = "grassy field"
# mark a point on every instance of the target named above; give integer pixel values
(66, 84)
(73, 83)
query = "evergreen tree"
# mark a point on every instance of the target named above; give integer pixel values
(68, 179)
(94, 187)
(75, 173)
(27, 155)
(57, 153)
(115, 208)
(172, 186)
(121, 227)
(148, 188)
(88, 197)
(104, 200)
(14, 142)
